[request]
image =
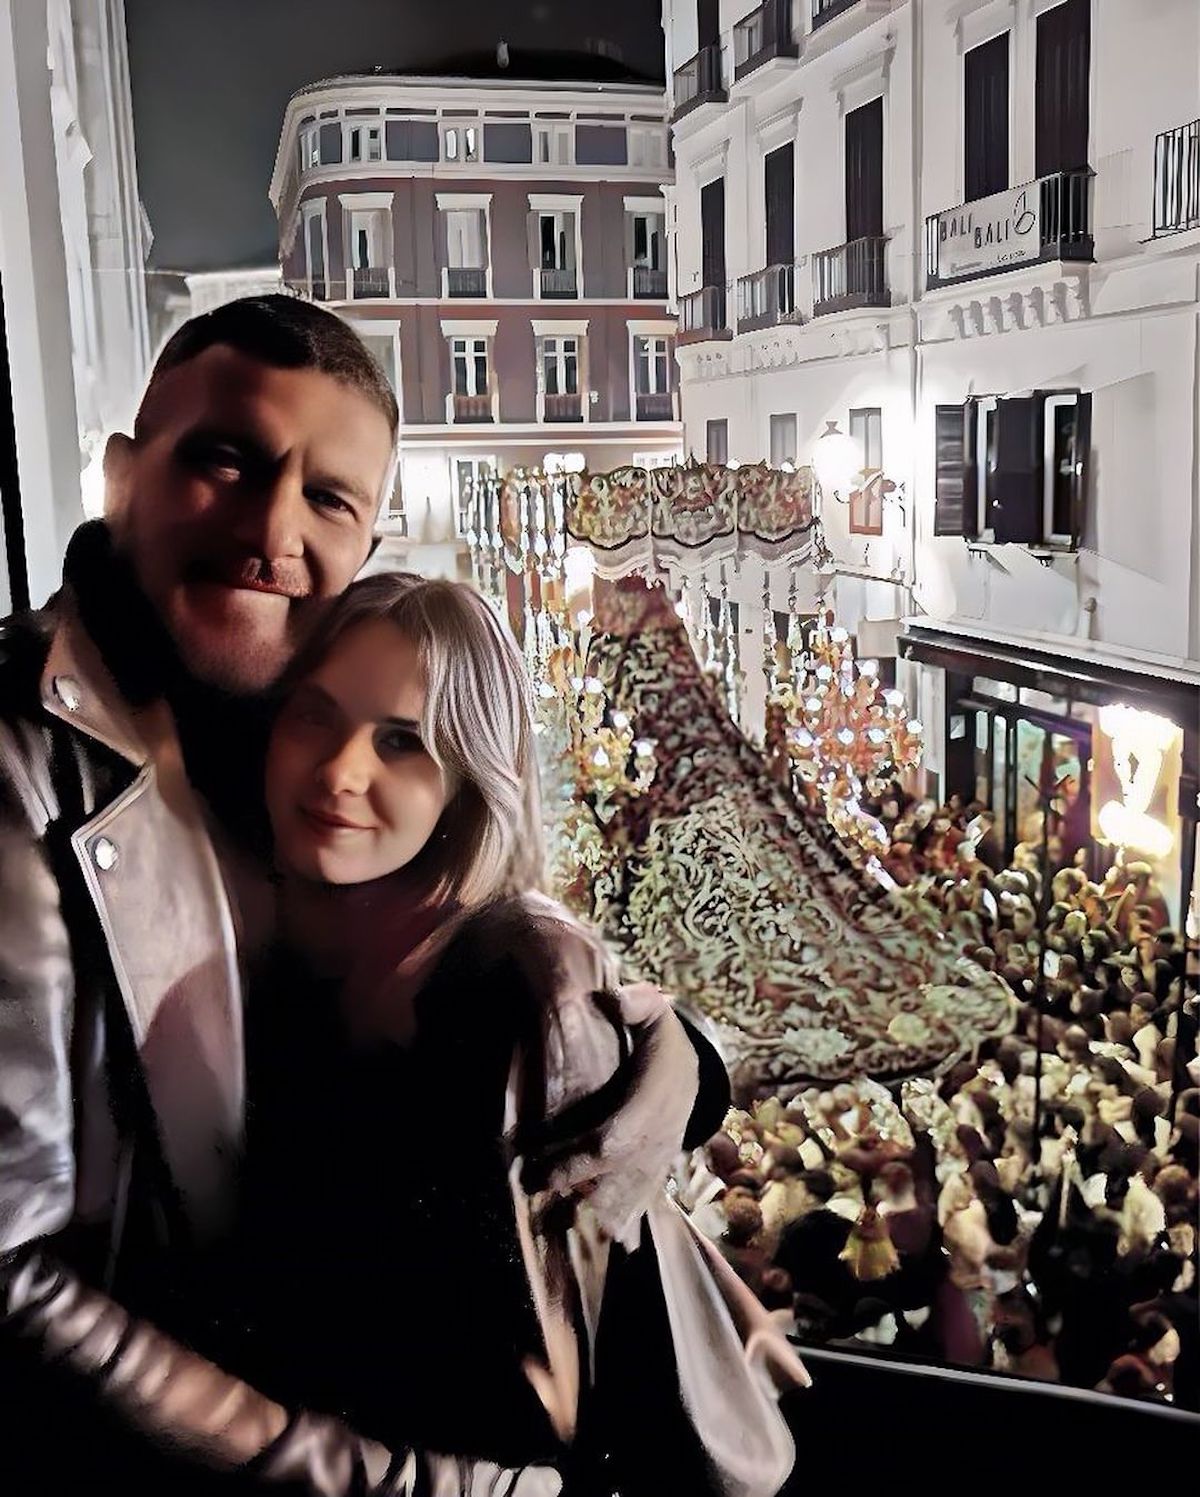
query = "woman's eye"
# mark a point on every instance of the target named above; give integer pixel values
(400, 741)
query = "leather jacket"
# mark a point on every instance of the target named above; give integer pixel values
(121, 1076)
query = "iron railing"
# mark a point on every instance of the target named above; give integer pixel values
(1064, 227)
(698, 81)
(767, 298)
(1177, 179)
(466, 280)
(472, 408)
(763, 34)
(558, 283)
(369, 281)
(702, 315)
(825, 10)
(650, 283)
(563, 408)
(655, 407)
(851, 275)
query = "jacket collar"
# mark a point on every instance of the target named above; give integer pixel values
(78, 688)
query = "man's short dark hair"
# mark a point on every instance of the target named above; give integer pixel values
(284, 332)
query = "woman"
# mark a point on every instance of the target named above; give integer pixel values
(449, 1169)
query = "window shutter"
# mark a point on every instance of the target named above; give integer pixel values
(969, 528)
(1082, 459)
(1018, 508)
(534, 236)
(949, 470)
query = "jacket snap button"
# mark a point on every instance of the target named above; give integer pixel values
(104, 854)
(66, 689)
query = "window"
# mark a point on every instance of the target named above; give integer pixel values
(464, 239)
(367, 239)
(1061, 88)
(1013, 469)
(469, 358)
(779, 178)
(314, 249)
(866, 501)
(783, 440)
(310, 147)
(470, 473)
(649, 241)
(560, 366)
(647, 146)
(460, 143)
(985, 119)
(365, 143)
(716, 441)
(556, 241)
(552, 145)
(651, 369)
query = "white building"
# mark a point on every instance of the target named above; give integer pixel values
(967, 231)
(73, 244)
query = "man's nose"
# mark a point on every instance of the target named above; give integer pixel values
(271, 515)
(347, 771)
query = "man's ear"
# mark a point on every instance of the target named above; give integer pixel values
(118, 476)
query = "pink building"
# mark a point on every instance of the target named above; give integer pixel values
(501, 245)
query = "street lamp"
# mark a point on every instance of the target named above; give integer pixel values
(836, 462)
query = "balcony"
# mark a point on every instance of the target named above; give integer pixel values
(767, 298)
(702, 316)
(698, 81)
(1049, 219)
(852, 275)
(371, 282)
(825, 10)
(656, 407)
(649, 284)
(558, 284)
(764, 34)
(1177, 180)
(468, 408)
(466, 280)
(562, 408)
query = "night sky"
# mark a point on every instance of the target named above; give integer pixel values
(211, 79)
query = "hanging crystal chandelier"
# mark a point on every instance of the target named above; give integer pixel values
(847, 736)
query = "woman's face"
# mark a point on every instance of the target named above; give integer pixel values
(352, 793)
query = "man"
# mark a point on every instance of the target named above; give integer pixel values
(243, 502)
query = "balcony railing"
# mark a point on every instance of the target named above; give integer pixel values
(1049, 219)
(472, 408)
(763, 34)
(767, 298)
(1177, 179)
(563, 408)
(657, 407)
(702, 315)
(852, 275)
(649, 283)
(558, 283)
(370, 281)
(466, 280)
(825, 10)
(698, 81)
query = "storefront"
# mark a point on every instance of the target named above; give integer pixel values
(1111, 752)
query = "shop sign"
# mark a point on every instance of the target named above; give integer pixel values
(988, 234)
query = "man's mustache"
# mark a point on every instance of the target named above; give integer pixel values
(285, 575)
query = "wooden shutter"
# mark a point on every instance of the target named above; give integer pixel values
(712, 232)
(864, 171)
(1017, 512)
(708, 18)
(949, 472)
(1062, 94)
(1082, 460)
(779, 178)
(985, 98)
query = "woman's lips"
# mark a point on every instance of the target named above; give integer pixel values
(329, 821)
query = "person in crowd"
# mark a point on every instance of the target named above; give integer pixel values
(466, 1136)
(133, 713)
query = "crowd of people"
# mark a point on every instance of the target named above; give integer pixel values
(1032, 1210)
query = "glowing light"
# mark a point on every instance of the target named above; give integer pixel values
(644, 748)
(836, 460)
(600, 757)
(1140, 741)
(620, 721)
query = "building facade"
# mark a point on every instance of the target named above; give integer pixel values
(73, 246)
(501, 246)
(968, 233)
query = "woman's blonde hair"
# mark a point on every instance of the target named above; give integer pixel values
(477, 727)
